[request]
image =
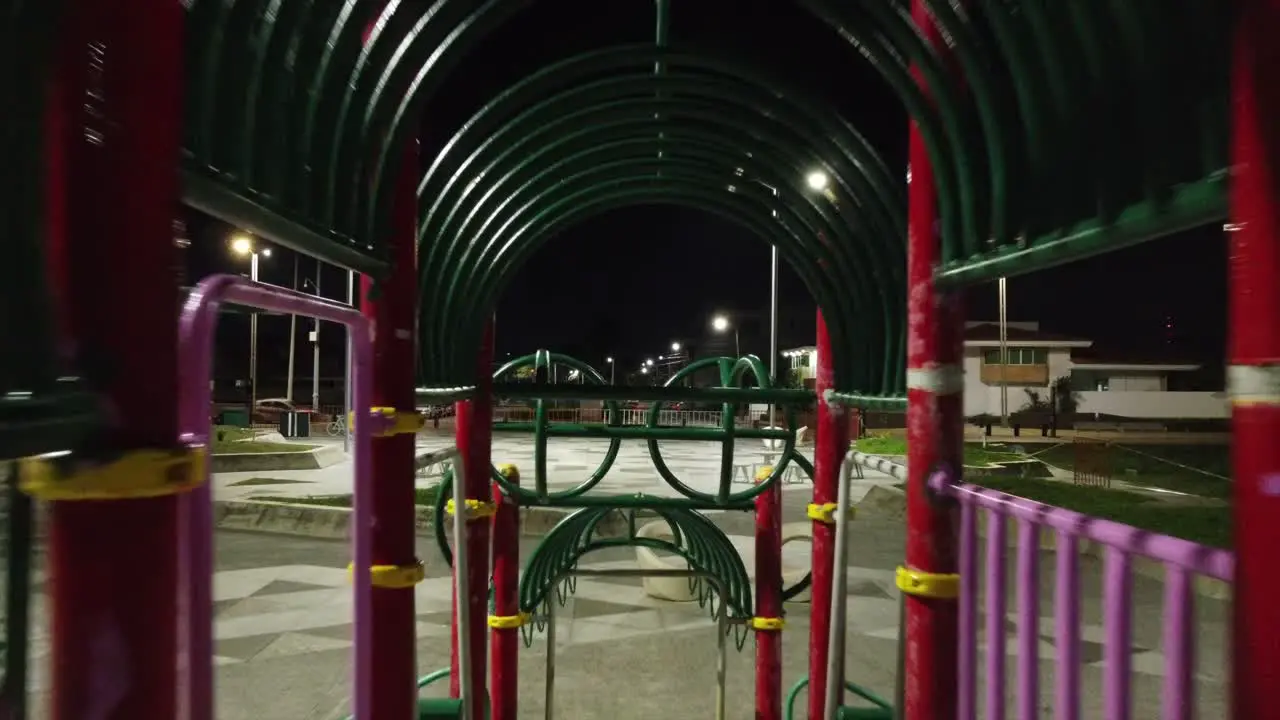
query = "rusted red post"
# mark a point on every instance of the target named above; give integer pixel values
(114, 564)
(934, 433)
(1255, 356)
(831, 440)
(504, 641)
(768, 620)
(474, 436)
(392, 305)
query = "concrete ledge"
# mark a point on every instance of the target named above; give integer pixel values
(322, 456)
(323, 521)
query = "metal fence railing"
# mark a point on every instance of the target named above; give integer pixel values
(624, 416)
(1182, 561)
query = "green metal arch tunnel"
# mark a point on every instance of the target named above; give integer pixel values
(297, 102)
(545, 167)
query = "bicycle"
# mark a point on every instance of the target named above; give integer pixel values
(337, 428)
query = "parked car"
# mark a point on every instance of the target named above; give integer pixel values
(269, 410)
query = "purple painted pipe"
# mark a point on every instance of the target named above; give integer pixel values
(1214, 562)
(1181, 559)
(997, 526)
(196, 332)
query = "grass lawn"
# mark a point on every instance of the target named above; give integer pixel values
(1208, 525)
(974, 454)
(421, 496)
(1160, 466)
(231, 433)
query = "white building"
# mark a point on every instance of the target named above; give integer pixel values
(1111, 387)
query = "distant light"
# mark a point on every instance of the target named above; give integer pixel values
(609, 360)
(675, 346)
(241, 245)
(266, 252)
(649, 362)
(644, 370)
(817, 180)
(719, 323)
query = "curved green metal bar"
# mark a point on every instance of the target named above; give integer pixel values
(439, 200)
(701, 544)
(282, 83)
(677, 144)
(641, 189)
(750, 215)
(825, 293)
(732, 378)
(542, 359)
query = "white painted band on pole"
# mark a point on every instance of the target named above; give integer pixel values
(1254, 384)
(941, 380)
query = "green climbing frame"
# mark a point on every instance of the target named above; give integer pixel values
(732, 374)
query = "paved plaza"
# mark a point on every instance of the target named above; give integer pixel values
(283, 611)
(570, 461)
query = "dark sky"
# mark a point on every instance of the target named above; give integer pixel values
(629, 282)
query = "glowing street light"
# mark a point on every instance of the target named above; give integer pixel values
(649, 362)
(609, 361)
(817, 180)
(675, 347)
(242, 245)
(644, 370)
(720, 324)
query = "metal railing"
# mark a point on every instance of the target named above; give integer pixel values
(1182, 560)
(624, 416)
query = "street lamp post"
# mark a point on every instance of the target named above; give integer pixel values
(242, 245)
(609, 362)
(720, 324)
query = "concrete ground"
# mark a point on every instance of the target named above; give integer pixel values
(283, 634)
(570, 461)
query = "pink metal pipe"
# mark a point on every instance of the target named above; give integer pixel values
(195, 336)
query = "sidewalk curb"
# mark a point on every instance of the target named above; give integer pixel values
(333, 523)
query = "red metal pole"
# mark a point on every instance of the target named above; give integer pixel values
(934, 433)
(769, 601)
(504, 641)
(474, 436)
(831, 440)
(392, 308)
(114, 589)
(1255, 356)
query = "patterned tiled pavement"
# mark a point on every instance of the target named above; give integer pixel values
(284, 636)
(570, 461)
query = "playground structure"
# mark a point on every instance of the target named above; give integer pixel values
(1041, 133)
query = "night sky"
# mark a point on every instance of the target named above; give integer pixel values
(628, 283)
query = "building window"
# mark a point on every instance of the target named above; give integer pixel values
(804, 360)
(1017, 356)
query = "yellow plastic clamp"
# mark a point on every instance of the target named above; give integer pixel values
(394, 576)
(510, 472)
(137, 474)
(395, 422)
(763, 473)
(509, 622)
(768, 624)
(938, 586)
(476, 509)
(826, 512)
